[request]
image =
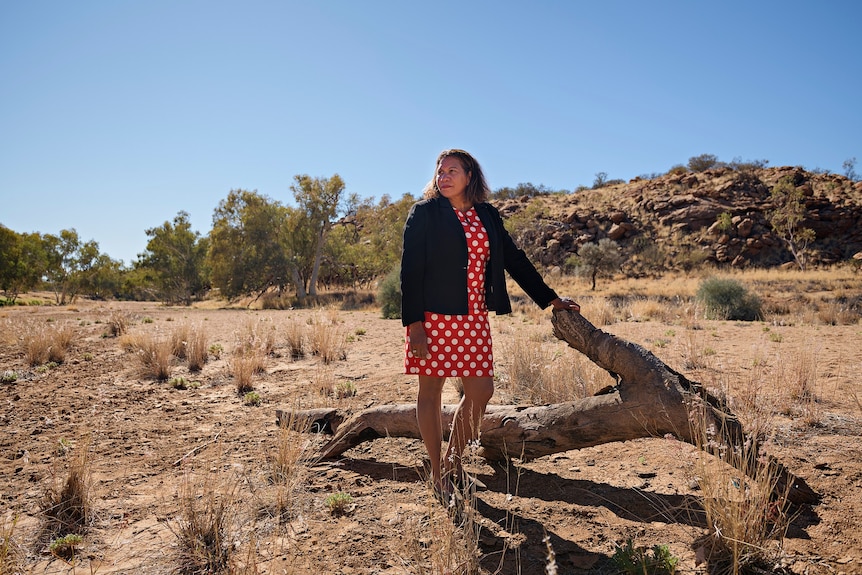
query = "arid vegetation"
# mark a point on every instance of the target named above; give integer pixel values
(737, 215)
(112, 468)
(140, 437)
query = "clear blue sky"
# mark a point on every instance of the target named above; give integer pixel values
(117, 114)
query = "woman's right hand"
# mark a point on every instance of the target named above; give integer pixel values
(418, 340)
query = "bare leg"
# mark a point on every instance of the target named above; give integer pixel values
(429, 415)
(468, 419)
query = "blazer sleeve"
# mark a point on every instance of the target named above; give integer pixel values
(522, 269)
(413, 265)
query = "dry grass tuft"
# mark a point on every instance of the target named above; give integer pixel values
(118, 323)
(11, 553)
(43, 343)
(154, 354)
(797, 377)
(650, 309)
(190, 343)
(695, 354)
(288, 469)
(179, 340)
(599, 311)
(541, 373)
(294, 334)
(324, 383)
(746, 514)
(442, 540)
(206, 516)
(252, 346)
(327, 339)
(35, 343)
(67, 505)
(244, 365)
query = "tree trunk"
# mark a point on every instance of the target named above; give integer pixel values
(297, 281)
(649, 400)
(318, 257)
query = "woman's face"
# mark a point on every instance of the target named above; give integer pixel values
(452, 180)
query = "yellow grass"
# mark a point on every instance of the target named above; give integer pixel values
(828, 296)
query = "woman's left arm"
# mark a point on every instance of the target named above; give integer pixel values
(525, 273)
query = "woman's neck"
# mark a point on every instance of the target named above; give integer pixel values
(461, 205)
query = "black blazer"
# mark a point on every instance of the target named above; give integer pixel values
(434, 263)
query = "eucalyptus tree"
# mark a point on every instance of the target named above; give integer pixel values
(177, 256)
(320, 200)
(69, 261)
(246, 250)
(22, 262)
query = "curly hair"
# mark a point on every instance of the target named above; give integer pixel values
(477, 190)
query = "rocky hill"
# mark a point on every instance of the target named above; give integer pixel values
(676, 221)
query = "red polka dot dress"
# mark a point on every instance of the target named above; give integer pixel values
(460, 345)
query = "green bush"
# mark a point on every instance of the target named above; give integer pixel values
(389, 295)
(728, 299)
(642, 561)
(702, 162)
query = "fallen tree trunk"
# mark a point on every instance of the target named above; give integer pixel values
(649, 400)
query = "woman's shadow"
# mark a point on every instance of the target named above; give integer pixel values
(537, 538)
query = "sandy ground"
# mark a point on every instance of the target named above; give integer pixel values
(148, 440)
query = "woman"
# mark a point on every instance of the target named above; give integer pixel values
(455, 251)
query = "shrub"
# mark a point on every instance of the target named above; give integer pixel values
(642, 561)
(215, 350)
(702, 162)
(389, 295)
(724, 221)
(345, 389)
(65, 546)
(251, 398)
(339, 503)
(725, 298)
(179, 383)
